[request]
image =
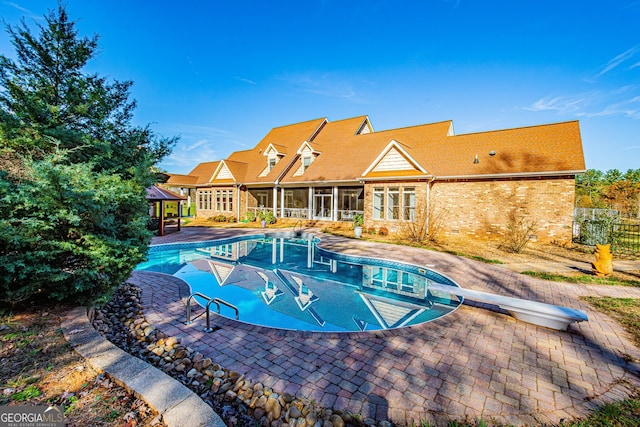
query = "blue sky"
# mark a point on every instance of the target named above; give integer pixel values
(221, 74)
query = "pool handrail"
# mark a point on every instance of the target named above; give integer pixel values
(216, 301)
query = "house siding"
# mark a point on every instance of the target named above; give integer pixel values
(393, 161)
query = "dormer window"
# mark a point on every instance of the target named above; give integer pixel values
(306, 161)
(272, 162)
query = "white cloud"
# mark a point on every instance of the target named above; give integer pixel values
(619, 59)
(562, 104)
(242, 79)
(623, 101)
(20, 8)
(628, 108)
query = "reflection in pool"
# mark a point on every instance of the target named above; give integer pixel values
(290, 283)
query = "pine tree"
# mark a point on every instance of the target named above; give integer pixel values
(73, 170)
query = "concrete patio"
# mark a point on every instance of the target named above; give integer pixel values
(474, 363)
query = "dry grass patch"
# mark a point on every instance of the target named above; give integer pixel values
(38, 367)
(625, 311)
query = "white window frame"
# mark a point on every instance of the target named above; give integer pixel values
(306, 162)
(409, 204)
(393, 203)
(378, 203)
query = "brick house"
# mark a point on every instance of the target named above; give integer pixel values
(465, 184)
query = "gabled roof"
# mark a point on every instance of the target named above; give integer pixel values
(177, 179)
(200, 175)
(543, 149)
(343, 154)
(347, 158)
(287, 139)
(394, 158)
(156, 193)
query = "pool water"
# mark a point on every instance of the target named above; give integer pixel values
(290, 283)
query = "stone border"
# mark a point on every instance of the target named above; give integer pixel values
(177, 404)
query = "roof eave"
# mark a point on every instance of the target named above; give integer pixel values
(512, 175)
(395, 178)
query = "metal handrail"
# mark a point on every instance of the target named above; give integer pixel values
(216, 301)
(295, 225)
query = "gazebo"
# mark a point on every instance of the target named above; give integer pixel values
(158, 197)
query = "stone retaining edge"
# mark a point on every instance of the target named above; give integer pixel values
(176, 403)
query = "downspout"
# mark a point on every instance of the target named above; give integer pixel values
(239, 201)
(428, 203)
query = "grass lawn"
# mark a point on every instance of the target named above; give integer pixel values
(587, 279)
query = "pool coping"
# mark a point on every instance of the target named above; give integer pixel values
(175, 403)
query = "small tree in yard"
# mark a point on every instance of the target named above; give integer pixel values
(426, 225)
(73, 171)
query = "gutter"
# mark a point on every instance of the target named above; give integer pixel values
(513, 175)
(396, 178)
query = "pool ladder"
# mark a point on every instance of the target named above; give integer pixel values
(216, 301)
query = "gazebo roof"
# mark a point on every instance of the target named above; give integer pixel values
(156, 193)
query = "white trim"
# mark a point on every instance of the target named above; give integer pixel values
(512, 175)
(394, 144)
(408, 178)
(219, 168)
(272, 147)
(301, 149)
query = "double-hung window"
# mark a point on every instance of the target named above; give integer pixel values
(224, 200)
(393, 203)
(306, 161)
(378, 203)
(409, 204)
(204, 200)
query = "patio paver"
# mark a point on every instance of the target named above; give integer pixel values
(472, 363)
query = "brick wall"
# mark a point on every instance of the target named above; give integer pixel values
(393, 226)
(481, 208)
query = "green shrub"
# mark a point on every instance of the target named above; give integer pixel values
(358, 220)
(270, 217)
(251, 216)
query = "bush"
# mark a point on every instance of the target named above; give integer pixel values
(270, 217)
(217, 218)
(372, 230)
(72, 234)
(383, 231)
(519, 231)
(251, 216)
(358, 220)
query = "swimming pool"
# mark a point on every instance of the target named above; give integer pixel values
(278, 280)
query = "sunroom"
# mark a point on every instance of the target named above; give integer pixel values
(322, 203)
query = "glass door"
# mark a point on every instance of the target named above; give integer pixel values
(322, 201)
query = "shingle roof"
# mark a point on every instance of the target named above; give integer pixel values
(346, 156)
(157, 193)
(286, 138)
(177, 179)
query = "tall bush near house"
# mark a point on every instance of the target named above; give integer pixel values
(426, 225)
(73, 171)
(519, 231)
